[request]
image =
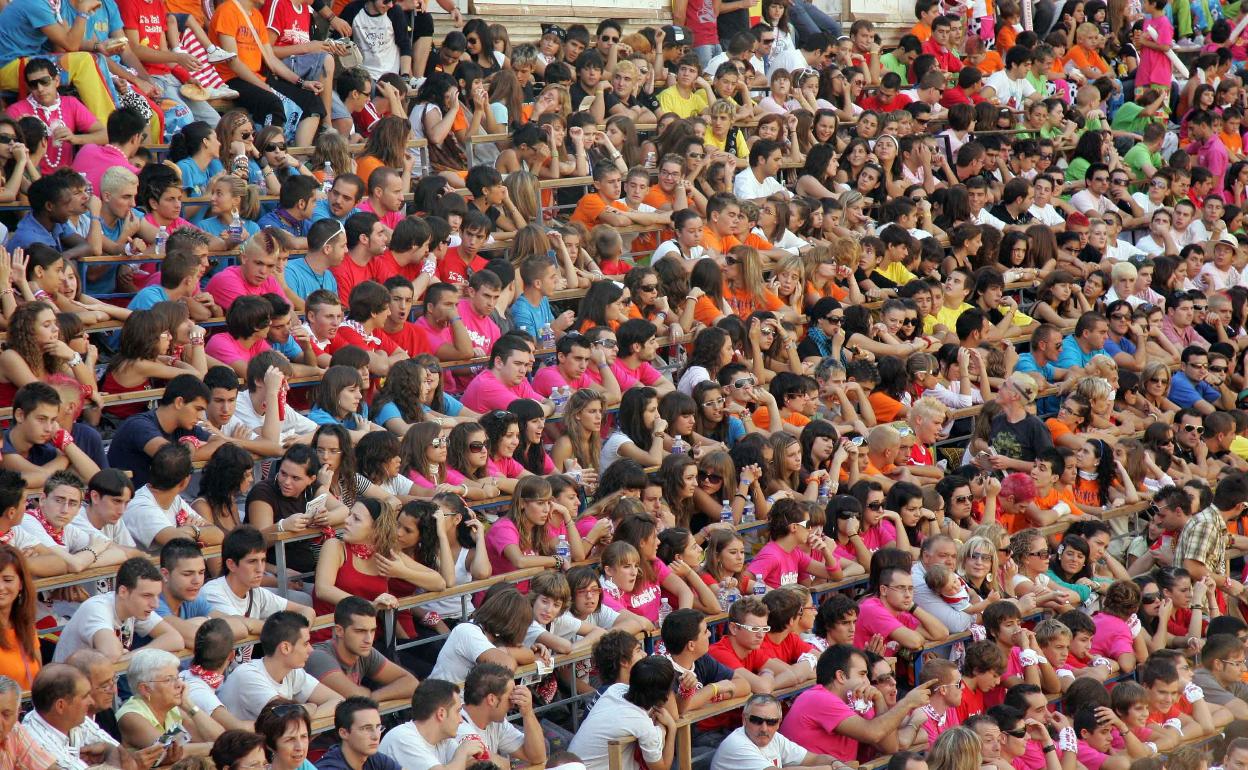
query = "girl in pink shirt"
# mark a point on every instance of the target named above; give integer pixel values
(468, 454)
(1117, 637)
(725, 562)
(642, 533)
(681, 553)
(424, 451)
(525, 538)
(529, 451)
(502, 431)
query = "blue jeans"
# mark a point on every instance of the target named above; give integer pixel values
(810, 20)
(201, 110)
(707, 52)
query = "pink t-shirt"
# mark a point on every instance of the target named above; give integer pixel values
(486, 393)
(76, 117)
(228, 285)
(874, 618)
(1154, 68)
(645, 374)
(935, 724)
(778, 567)
(94, 159)
(882, 535)
(1145, 734)
(549, 377)
(812, 721)
(483, 332)
(504, 533)
(1113, 636)
(226, 349)
(1013, 667)
(644, 599)
(506, 467)
(1090, 757)
(452, 477)
(390, 220)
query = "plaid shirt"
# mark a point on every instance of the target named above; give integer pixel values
(1203, 539)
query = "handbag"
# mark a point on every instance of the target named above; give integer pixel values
(446, 155)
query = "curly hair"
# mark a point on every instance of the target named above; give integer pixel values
(373, 451)
(496, 424)
(222, 481)
(344, 477)
(402, 387)
(22, 338)
(427, 544)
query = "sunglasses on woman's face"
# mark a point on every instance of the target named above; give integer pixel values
(274, 147)
(875, 506)
(732, 260)
(714, 478)
(7, 139)
(477, 446)
(438, 443)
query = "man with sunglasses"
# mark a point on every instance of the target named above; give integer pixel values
(757, 744)
(1188, 388)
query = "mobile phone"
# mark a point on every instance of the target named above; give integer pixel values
(585, 103)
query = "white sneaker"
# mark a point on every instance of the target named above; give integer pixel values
(219, 55)
(222, 93)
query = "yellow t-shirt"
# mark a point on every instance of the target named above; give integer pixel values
(670, 100)
(897, 273)
(945, 317)
(743, 150)
(1239, 445)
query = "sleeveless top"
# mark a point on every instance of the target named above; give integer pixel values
(356, 583)
(122, 411)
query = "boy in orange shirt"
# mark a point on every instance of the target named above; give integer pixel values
(926, 11)
(791, 395)
(1054, 501)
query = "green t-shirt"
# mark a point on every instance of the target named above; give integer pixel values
(889, 62)
(1038, 82)
(1137, 156)
(1128, 118)
(1077, 169)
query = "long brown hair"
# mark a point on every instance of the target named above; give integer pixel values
(22, 614)
(532, 538)
(587, 449)
(22, 338)
(415, 450)
(388, 142)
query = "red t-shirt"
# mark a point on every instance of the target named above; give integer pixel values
(365, 119)
(386, 266)
(348, 274)
(290, 27)
(147, 18)
(453, 269)
(348, 336)
(972, 703)
(410, 338)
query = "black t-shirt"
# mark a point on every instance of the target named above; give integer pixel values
(125, 451)
(299, 555)
(579, 94)
(1021, 440)
(731, 24)
(1001, 212)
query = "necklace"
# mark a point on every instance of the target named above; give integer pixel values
(52, 117)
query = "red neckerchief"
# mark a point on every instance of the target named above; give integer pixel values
(359, 550)
(211, 678)
(56, 534)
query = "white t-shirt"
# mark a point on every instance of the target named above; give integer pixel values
(692, 376)
(984, 218)
(738, 752)
(1150, 246)
(747, 187)
(295, 423)
(790, 60)
(1010, 93)
(671, 247)
(145, 518)
(501, 738)
(1048, 215)
(1146, 205)
(405, 745)
(250, 686)
(722, 58)
(115, 532)
(374, 36)
(76, 538)
(397, 485)
(451, 606)
(605, 617)
(99, 613)
(565, 627)
(611, 718)
(1088, 203)
(1195, 233)
(459, 654)
(203, 696)
(260, 604)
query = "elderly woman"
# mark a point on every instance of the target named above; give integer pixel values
(286, 728)
(161, 706)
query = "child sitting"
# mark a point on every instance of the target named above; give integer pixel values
(607, 247)
(950, 586)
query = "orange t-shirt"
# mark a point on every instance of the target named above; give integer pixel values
(706, 312)
(366, 165)
(757, 241)
(830, 289)
(1057, 428)
(591, 206)
(744, 303)
(192, 7)
(1085, 58)
(1006, 38)
(762, 418)
(229, 20)
(991, 63)
(715, 243)
(885, 406)
(922, 31)
(1233, 142)
(657, 198)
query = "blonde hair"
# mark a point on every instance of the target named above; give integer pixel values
(929, 408)
(1093, 387)
(248, 195)
(115, 178)
(331, 147)
(751, 269)
(523, 189)
(722, 107)
(958, 748)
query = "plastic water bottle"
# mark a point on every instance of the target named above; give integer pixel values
(679, 446)
(235, 231)
(725, 513)
(825, 492)
(328, 183)
(162, 237)
(721, 593)
(730, 594)
(747, 515)
(563, 550)
(760, 588)
(679, 358)
(651, 157)
(546, 340)
(559, 396)
(665, 609)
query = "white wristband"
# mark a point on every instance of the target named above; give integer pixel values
(1028, 658)
(1193, 692)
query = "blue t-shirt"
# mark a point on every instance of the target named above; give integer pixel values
(736, 430)
(20, 25)
(195, 179)
(1073, 355)
(1114, 348)
(148, 296)
(290, 348)
(40, 454)
(1186, 393)
(29, 230)
(297, 228)
(321, 211)
(101, 24)
(195, 608)
(214, 226)
(390, 411)
(303, 280)
(529, 318)
(322, 417)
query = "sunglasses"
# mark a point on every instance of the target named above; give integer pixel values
(1199, 429)
(1217, 370)
(274, 147)
(834, 319)
(909, 321)
(648, 287)
(1020, 733)
(1040, 554)
(714, 478)
(1149, 598)
(732, 260)
(7, 139)
(769, 721)
(608, 344)
(752, 629)
(961, 499)
(477, 446)
(715, 402)
(745, 382)
(247, 135)
(40, 82)
(438, 443)
(875, 506)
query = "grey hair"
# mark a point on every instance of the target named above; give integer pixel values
(88, 658)
(761, 699)
(8, 684)
(524, 54)
(147, 661)
(825, 368)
